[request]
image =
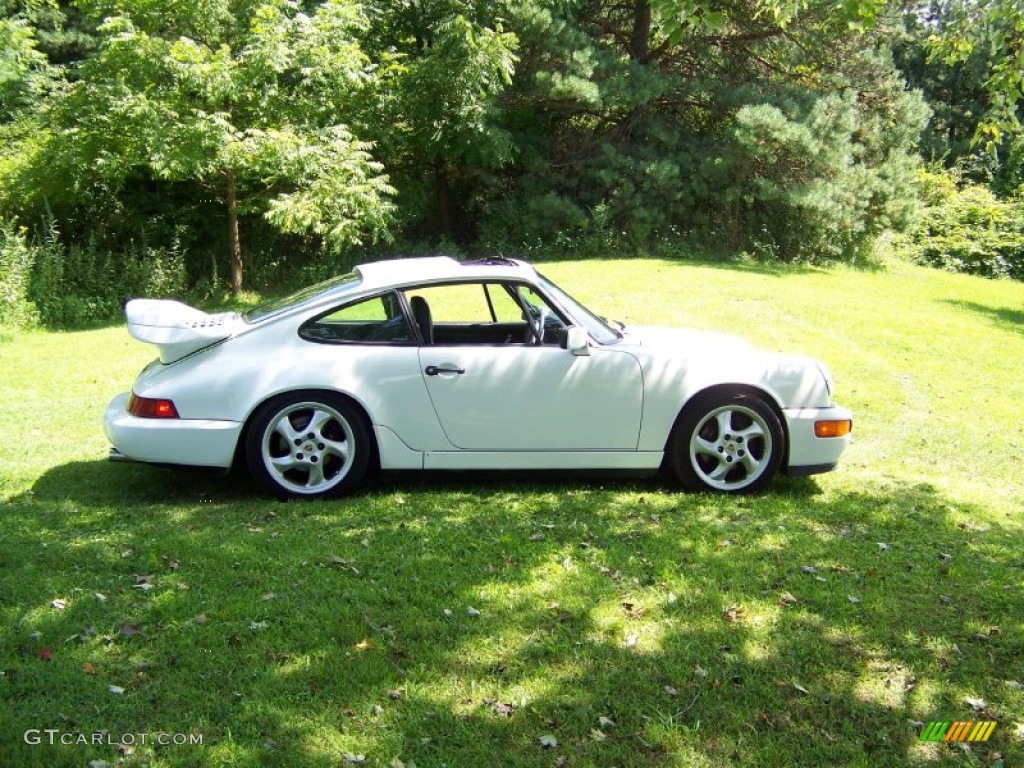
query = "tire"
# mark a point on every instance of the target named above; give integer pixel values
(727, 444)
(308, 445)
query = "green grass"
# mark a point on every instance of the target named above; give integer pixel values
(459, 619)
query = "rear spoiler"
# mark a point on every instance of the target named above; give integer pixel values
(175, 328)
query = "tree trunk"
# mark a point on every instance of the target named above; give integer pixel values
(234, 241)
(640, 39)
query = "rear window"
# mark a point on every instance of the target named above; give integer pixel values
(276, 306)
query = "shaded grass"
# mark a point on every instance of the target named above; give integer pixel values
(457, 619)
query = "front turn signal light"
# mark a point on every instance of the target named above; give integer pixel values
(151, 408)
(835, 428)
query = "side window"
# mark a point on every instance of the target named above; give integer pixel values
(542, 317)
(491, 313)
(378, 320)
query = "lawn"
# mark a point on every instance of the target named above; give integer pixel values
(471, 620)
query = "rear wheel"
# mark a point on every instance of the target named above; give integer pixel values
(308, 445)
(727, 443)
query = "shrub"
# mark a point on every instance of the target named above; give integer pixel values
(16, 262)
(83, 284)
(966, 228)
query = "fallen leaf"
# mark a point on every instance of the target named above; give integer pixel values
(45, 654)
(800, 688)
(853, 599)
(605, 722)
(200, 619)
(363, 645)
(255, 626)
(395, 693)
(101, 597)
(808, 569)
(633, 610)
(672, 692)
(786, 600)
(700, 672)
(945, 556)
(978, 705)
(117, 690)
(548, 741)
(89, 668)
(598, 735)
(472, 612)
(130, 630)
(60, 603)
(734, 613)
(503, 709)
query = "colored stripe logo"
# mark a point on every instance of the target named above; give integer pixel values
(962, 730)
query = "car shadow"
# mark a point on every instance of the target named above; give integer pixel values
(104, 483)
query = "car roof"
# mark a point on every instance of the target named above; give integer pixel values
(438, 269)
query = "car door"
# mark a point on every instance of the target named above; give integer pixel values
(499, 381)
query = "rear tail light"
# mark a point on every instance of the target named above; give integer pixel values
(151, 408)
(836, 428)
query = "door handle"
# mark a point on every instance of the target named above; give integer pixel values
(433, 370)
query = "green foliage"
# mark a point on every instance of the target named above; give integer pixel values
(244, 101)
(16, 262)
(966, 228)
(995, 29)
(83, 284)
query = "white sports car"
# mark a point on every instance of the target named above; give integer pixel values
(432, 363)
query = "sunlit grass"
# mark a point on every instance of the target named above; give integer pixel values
(457, 620)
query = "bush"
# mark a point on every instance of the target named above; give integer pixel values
(966, 228)
(77, 285)
(16, 262)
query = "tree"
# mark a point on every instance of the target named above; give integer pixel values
(246, 99)
(995, 28)
(437, 116)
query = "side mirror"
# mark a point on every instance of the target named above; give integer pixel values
(575, 339)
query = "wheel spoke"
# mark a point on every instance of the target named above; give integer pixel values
(751, 464)
(724, 420)
(336, 448)
(706, 447)
(316, 475)
(282, 464)
(317, 421)
(285, 430)
(754, 430)
(718, 475)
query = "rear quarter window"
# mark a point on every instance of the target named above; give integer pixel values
(377, 320)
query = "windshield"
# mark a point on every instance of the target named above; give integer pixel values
(599, 330)
(275, 306)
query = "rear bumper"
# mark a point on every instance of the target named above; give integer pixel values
(188, 442)
(808, 453)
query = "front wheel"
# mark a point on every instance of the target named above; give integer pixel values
(730, 444)
(308, 445)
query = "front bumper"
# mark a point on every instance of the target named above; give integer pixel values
(188, 442)
(808, 453)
